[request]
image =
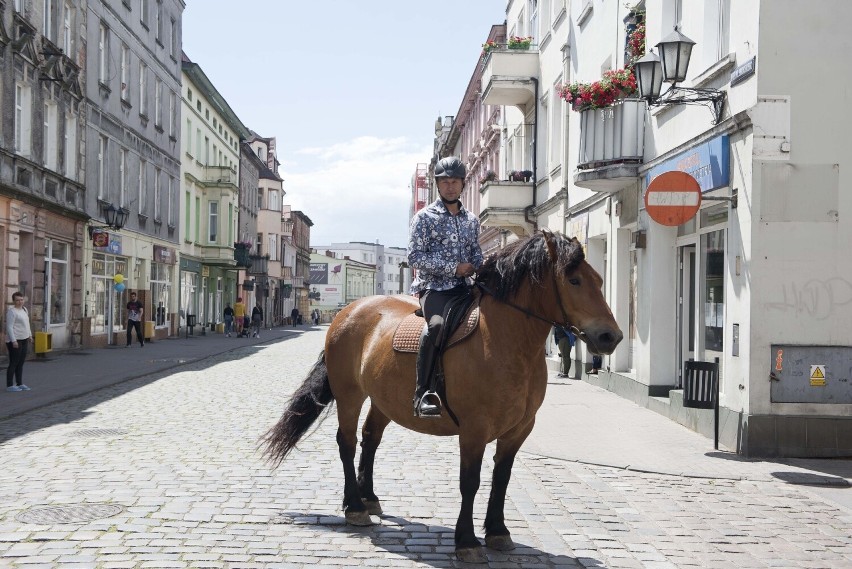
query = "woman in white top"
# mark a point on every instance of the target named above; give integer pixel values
(18, 335)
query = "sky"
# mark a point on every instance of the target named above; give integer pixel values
(349, 89)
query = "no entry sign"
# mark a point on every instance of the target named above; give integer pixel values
(673, 198)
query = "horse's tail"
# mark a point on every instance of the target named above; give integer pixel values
(307, 404)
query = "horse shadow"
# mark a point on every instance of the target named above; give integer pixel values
(431, 544)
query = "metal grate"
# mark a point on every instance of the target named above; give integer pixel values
(100, 432)
(76, 513)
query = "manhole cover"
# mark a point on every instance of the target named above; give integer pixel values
(100, 432)
(47, 515)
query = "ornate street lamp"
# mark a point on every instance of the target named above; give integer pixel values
(671, 67)
(115, 218)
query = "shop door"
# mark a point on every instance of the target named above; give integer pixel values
(687, 269)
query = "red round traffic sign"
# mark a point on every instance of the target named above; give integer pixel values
(673, 198)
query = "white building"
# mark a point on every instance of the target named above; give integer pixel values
(761, 283)
(386, 259)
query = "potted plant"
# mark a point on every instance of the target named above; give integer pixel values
(488, 47)
(490, 176)
(241, 253)
(520, 42)
(612, 87)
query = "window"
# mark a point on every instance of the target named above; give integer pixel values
(103, 56)
(159, 22)
(158, 101)
(197, 143)
(49, 15)
(556, 116)
(66, 29)
(170, 210)
(206, 151)
(143, 93)
(533, 12)
(717, 30)
(49, 135)
(260, 198)
(274, 203)
(143, 185)
(56, 289)
(157, 195)
(23, 118)
(186, 214)
(125, 72)
(189, 136)
(161, 284)
(273, 247)
(122, 177)
(103, 144)
(143, 12)
(70, 157)
(172, 113)
(19, 6)
(174, 39)
(215, 155)
(213, 222)
(197, 219)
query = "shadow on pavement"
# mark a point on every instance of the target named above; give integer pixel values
(432, 545)
(60, 384)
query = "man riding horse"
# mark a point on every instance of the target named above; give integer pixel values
(444, 250)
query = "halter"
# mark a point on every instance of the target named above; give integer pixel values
(533, 314)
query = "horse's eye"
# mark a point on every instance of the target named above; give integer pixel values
(574, 281)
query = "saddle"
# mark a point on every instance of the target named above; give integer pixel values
(406, 338)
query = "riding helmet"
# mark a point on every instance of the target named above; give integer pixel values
(450, 167)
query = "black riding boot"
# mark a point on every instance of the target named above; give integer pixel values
(427, 403)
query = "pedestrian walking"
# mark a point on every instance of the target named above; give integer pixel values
(565, 340)
(239, 315)
(135, 312)
(18, 336)
(229, 319)
(256, 319)
(315, 316)
(294, 316)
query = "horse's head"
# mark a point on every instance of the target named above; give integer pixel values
(578, 292)
(556, 264)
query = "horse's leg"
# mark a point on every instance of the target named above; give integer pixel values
(496, 534)
(371, 436)
(468, 547)
(353, 507)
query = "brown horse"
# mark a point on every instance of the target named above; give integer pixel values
(495, 379)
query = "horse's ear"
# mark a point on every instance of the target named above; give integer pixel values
(551, 245)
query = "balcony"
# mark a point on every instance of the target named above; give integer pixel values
(217, 255)
(503, 205)
(508, 77)
(611, 146)
(220, 176)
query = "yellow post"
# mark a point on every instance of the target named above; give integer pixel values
(149, 329)
(43, 342)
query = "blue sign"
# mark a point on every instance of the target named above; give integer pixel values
(709, 163)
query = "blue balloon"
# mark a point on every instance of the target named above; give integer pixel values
(119, 287)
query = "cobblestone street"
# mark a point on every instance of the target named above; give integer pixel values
(165, 471)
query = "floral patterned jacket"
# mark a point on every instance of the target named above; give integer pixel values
(438, 242)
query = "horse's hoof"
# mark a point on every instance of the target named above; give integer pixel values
(360, 518)
(471, 555)
(374, 507)
(499, 542)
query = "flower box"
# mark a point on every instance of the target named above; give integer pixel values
(612, 134)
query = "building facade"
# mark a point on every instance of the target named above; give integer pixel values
(133, 163)
(757, 281)
(209, 202)
(43, 202)
(297, 232)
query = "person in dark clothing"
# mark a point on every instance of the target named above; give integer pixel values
(229, 319)
(135, 312)
(444, 250)
(294, 316)
(256, 320)
(565, 340)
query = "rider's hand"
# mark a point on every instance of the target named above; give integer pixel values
(464, 270)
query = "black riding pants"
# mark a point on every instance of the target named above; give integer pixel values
(433, 303)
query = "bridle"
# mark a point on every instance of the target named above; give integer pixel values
(529, 312)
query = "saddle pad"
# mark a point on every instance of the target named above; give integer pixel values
(407, 335)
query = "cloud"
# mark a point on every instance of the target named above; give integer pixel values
(358, 190)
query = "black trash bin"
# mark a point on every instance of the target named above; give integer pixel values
(190, 324)
(701, 390)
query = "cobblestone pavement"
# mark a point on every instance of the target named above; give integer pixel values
(164, 472)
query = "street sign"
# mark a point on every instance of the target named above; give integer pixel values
(673, 198)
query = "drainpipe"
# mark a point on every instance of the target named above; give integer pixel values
(529, 209)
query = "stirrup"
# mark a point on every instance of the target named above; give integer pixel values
(438, 403)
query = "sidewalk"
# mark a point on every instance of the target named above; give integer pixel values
(65, 375)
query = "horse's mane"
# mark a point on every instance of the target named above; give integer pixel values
(506, 270)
